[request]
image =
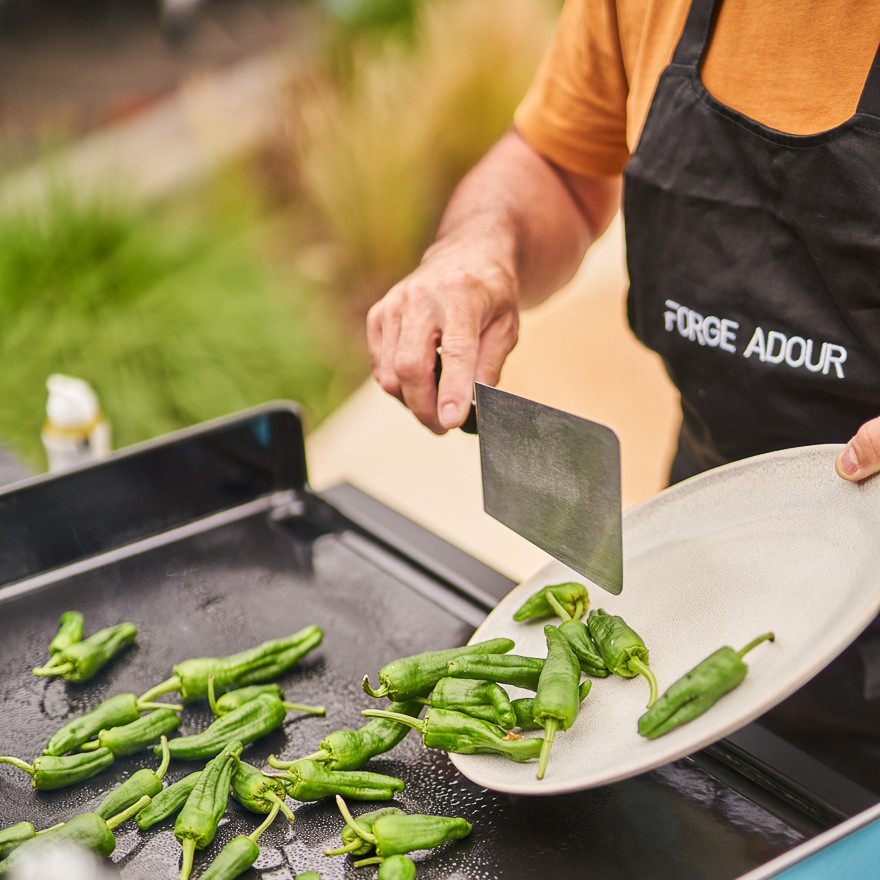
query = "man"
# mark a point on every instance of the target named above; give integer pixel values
(753, 232)
(747, 137)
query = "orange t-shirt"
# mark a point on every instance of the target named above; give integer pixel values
(794, 65)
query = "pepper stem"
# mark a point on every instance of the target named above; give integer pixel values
(767, 637)
(408, 720)
(17, 762)
(166, 758)
(91, 745)
(280, 764)
(551, 725)
(646, 671)
(146, 706)
(255, 834)
(280, 805)
(170, 684)
(372, 860)
(319, 756)
(358, 827)
(56, 669)
(556, 605)
(212, 696)
(127, 813)
(54, 662)
(50, 828)
(382, 692)
(189, 852)
(344, 850)
(304, 707)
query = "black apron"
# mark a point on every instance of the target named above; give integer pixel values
(754, 266)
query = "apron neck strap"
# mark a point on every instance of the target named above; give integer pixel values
(869, 103)
(697, 31)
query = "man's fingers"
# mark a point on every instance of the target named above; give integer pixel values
(496, 343)
(383, 333)
(860, 457)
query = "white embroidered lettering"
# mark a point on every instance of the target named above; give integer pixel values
(808, 361)
(712, 330)
(756, 345)
(728, 335)
(834, 354)
(670, 315)
(775, 347)
(770, 347)
(792, 359)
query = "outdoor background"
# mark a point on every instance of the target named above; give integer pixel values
(200, 200)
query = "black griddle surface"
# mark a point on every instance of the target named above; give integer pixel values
(235, 586)
(211, 542)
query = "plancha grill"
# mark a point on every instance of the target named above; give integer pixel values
(211, 541)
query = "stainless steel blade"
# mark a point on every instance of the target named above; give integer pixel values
(554, 478)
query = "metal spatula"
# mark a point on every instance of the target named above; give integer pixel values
(554, 478)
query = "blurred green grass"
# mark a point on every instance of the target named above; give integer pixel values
(252, 285)
(172, 321)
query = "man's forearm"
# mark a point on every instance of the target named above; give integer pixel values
(536, 219)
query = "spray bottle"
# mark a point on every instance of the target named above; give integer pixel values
(75, 430)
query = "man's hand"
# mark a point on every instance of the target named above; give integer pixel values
(457, 301)
(860, 457)
(514, 231)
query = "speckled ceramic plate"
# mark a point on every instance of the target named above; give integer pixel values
(777, 542)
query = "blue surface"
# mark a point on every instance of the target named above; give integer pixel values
(854, 857)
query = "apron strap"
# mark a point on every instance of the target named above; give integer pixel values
(869, 103)
(697, 31)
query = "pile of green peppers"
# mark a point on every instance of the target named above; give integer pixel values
(125, 723)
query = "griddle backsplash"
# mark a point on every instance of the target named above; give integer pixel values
(243, 582)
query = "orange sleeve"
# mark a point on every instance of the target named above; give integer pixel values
(574, 113)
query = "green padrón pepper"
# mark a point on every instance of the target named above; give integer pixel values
(398, 835)
(264, 662)
(168, 802)
(50, 771)
(486, 700)
(464, 734)
(127, 739)
(248, 722)
(351, 749)
(140, 783)
(239, 854)
(577, 634)
(81, 660)
(621, 648)
(352, 842)
(310, 781)
(113, 712)
(557, 699)
(573, 597)
(416, 675)
(698, 689)
(197, 821)
(259, 793)
(236, 698)
(14, 836)
(524, 707)
(512, 669)
(397, 867)
(88, 830)
(70, 630)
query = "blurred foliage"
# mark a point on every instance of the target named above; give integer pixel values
(358, 16)
(253, 288)
(377, 138)
(172, 318)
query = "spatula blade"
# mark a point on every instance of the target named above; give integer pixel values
(554, 478)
